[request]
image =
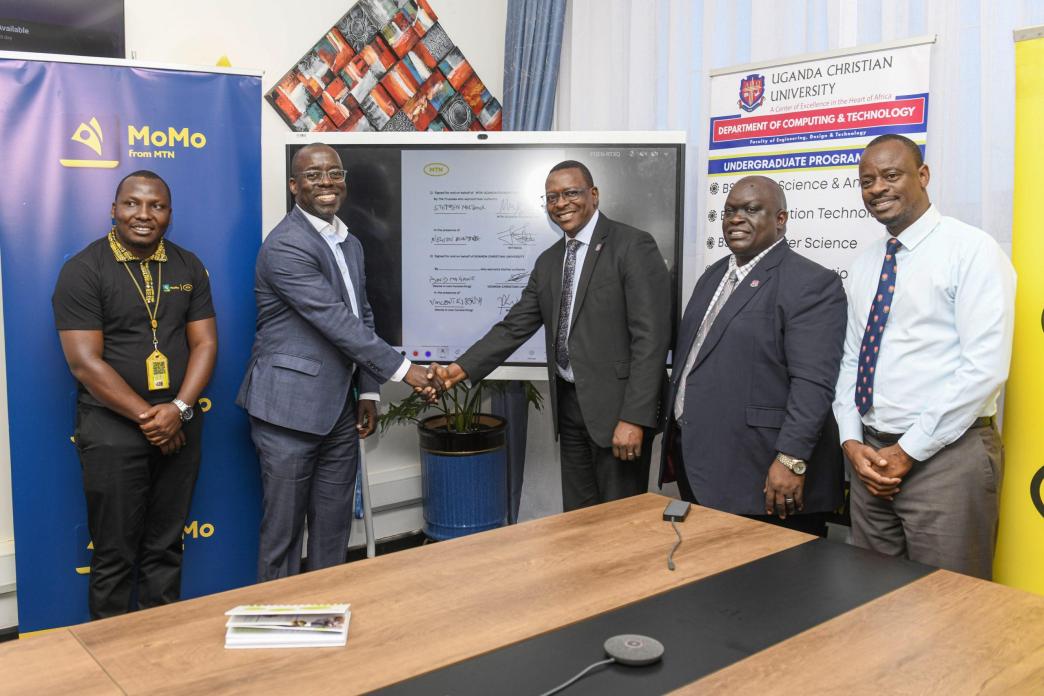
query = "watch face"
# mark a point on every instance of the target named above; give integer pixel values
(799, 468)
(187, 414)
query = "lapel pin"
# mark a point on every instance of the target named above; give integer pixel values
(755, 283)
(598, 246)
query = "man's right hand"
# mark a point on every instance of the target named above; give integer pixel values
(421, 379)
(864, 459)
(450, 375)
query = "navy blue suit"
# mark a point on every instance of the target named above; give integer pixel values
(763, 383)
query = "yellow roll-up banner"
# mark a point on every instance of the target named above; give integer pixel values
(1020, 547)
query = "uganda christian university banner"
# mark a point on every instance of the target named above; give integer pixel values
(69, 131)
(805, 122)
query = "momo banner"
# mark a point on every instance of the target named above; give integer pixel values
(69, 131)
(805, 123)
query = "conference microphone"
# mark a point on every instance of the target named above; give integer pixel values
(634, 650)
(627, 649)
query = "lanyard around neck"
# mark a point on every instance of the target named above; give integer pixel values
(154, 309)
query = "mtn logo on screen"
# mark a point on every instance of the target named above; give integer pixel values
(436, 169)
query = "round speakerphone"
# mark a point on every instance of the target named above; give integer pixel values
(634, 650)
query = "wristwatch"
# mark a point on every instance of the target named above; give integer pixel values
(793, 463)
(186, 410)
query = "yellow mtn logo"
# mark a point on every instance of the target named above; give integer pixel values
(90, 135)
(436, 169)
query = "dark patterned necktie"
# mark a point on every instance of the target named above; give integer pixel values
(561, 345)
(875, 325)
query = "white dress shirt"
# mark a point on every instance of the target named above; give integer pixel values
(334, 234)
(947, 343)
(584, 237)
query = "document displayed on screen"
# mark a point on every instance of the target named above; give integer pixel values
(472, 228)
(451, 226)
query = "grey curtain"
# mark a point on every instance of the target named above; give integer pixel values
(532, 47)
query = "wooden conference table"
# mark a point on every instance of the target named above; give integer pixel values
(459, 602)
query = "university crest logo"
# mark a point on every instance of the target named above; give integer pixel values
(751, 92)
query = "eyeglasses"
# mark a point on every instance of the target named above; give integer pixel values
(314, 176)
(570, 195)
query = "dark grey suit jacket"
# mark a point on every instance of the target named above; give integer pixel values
(308, 339)
(621, 328)
(762, 383)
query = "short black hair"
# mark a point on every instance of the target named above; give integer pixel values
(573, 164)
(910, 145)
(145, 174)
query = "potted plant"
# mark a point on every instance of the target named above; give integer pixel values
(463, 457)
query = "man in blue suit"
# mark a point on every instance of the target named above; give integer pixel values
(749, 428)
(315, 341)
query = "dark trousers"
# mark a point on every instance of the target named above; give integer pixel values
(590, 473)
(137, 502)
(305, 477)
(807, 522)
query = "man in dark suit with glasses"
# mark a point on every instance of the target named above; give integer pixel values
(602, 294)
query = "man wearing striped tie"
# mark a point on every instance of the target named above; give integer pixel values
(748, 423)
(931, 311)
(602, 294)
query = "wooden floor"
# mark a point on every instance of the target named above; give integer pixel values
(424, 608)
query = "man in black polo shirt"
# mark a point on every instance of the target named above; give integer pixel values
(137, 327)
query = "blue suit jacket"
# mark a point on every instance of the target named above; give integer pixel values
(763, 383)
(308, 339)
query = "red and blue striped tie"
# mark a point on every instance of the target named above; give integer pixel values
(875, 325)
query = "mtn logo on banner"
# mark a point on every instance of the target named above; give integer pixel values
(89, 135)
(751, 92)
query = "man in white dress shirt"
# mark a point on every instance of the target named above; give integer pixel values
(931, 311)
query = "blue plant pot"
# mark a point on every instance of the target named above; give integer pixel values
(464, 477)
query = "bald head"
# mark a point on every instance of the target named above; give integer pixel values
(769, 190)
(317, 181)
(754, 217)
(304, 156)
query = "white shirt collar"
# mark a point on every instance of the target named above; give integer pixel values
(585, 234)
(921, 228)
(336, 229)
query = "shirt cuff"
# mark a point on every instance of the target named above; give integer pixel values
(850, 429)
(919, 444)
(370, 396)
(401, 372)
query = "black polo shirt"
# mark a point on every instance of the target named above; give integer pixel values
(95, 293)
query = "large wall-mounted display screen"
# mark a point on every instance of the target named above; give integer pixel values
(452, 224)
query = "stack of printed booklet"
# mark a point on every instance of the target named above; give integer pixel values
(287, 626)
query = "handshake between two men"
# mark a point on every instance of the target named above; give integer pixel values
(435, 379)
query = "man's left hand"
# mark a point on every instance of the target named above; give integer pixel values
(366, 418)
(160, 422)
(174, 444)
(627, 441)
(784, 491)
(899, 462)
